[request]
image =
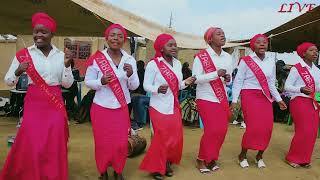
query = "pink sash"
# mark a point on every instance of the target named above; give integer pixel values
(259, 75)
(22, 56)
(171, 79)
(308, 80)
(114, 84)
(216, 85)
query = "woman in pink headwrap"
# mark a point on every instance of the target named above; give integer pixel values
(163, 78)
(112, 73)
(212, 68)
(40, 148)
(255, 81)
(302, 83)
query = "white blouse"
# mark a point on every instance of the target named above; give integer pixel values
(294, 81)
(104, 95)
(204, 89)
(246, 79)
(164, 103)
(51, 68)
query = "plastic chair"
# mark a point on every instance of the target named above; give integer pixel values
(317, 97)
(200, 123)
(289, 122)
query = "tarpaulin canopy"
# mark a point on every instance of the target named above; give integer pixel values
(288, 36)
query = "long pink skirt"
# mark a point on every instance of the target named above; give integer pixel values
(215, 120)
(110, 131)
(167, 142)
(306, 123)
(40, 148)
(258, 116)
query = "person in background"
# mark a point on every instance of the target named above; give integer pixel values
(111, 73)
(255, 81)
(71, 106)
(186, 71)
(40, 148)
(140, 102)
(237, 115)
(302, 84)
(281, 76)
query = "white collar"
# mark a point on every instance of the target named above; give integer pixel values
(304, 64)
(213, 53)
(254, 55)
(125, 55)
(162, 59)
(52, 51)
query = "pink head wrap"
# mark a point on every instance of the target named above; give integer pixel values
(45, 20)
(209, 33)
(116, 26)
(254, 39)
(159, 43)
(302, 48)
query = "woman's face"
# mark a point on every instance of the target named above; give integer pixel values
(170, 48)
(218, 38)
(42, 36)
(311, 54)
(260, 46)
(115, 39)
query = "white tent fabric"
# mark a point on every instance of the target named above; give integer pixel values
(141, 26)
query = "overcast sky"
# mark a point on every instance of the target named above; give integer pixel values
(240, 19)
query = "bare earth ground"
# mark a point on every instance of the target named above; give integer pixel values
(82, 162)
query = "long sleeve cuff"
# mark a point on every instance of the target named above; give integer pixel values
(133, 81)
(183, 85)
(67, 77)
(11, 81)
(206, 77)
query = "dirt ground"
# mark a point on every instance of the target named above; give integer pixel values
(82, 162)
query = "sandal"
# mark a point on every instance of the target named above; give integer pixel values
(307, 166)
(215, 168)
(294, 165)
(157, 176)
(203, 169)
(244, 163)
(260, 163)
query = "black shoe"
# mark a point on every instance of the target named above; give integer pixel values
(169, 171)
(104, 176)
(118, 176)
(157, 176)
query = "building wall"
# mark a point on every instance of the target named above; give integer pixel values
(7, 52)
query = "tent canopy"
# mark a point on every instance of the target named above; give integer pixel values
(288, 36)
(87, 18)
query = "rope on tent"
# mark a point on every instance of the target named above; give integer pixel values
(273, 35)
(99, 19)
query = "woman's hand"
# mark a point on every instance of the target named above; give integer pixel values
(128, 68)
(282, 105)
(105, 79)
(22, 68)
(227, 78)
(163, 89)
(68, 57)
(190, 80)
(306, 90)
